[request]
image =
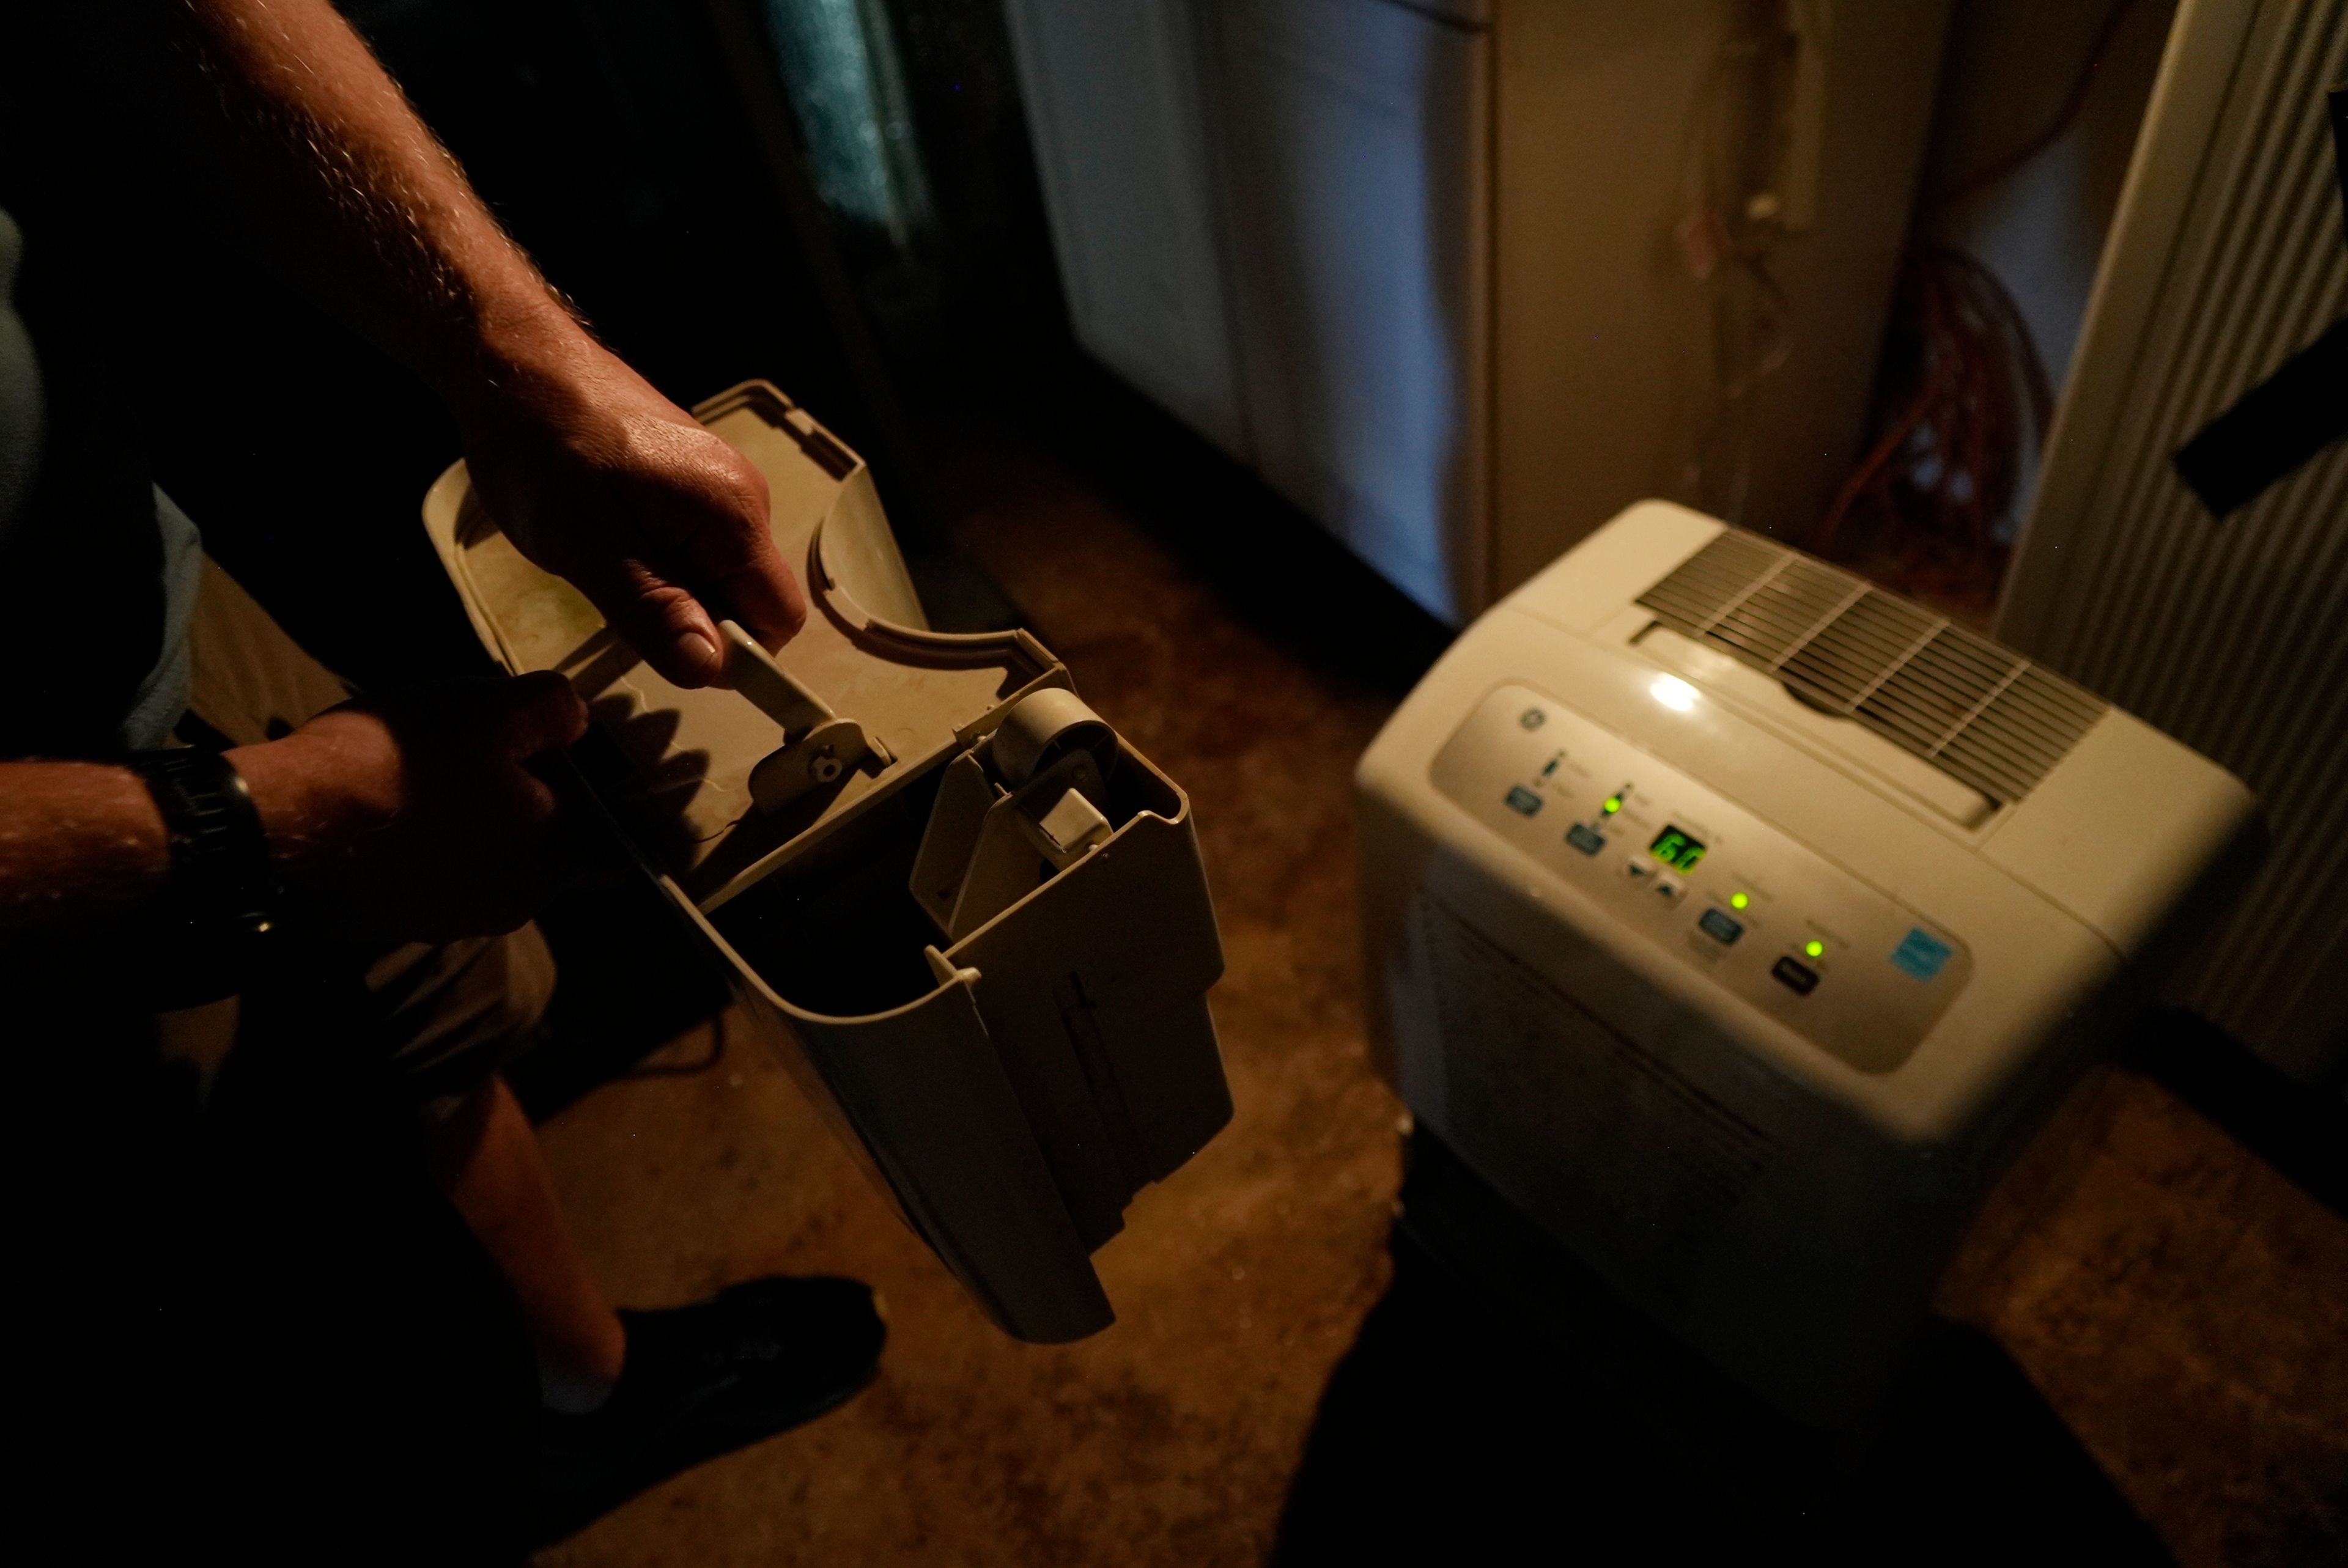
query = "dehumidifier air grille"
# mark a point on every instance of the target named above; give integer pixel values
(1980, 713)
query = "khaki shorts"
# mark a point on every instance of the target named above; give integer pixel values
(453, 1014)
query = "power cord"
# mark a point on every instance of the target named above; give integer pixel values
(1963, 397)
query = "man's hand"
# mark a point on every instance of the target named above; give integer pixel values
(415, 819)
(600, 479)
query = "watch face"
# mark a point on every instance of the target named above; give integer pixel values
(223, 900)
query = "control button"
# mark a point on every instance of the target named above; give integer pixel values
(1585, 838)
(1523, 801)
(1796, 975)
(1721, 926)
(1639, 869)
(1921, 953)
(1532, 718)
(1668, 887)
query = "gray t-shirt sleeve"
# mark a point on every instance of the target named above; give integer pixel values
(162, 695)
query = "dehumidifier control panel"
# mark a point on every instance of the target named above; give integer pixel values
(1732, 898)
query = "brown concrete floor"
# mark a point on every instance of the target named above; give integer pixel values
(2181, 1306)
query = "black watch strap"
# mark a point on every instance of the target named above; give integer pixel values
(223, 902)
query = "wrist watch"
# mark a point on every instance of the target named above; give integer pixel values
(216, 919)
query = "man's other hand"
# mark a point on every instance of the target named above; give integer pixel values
(598, 479)
(416, 819)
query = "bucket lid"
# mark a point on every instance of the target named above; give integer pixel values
(675, 765)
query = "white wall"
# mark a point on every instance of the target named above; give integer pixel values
(2008, 68)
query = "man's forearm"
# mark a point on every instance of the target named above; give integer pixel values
(82, 852)
(273, 119)
(412, 818)
(273, 115)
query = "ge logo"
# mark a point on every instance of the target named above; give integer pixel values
(1533, 719)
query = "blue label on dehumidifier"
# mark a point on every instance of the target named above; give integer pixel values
(1922, 953)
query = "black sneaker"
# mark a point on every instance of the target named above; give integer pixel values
(757, 1358)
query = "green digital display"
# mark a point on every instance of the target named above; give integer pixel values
(1674, 848)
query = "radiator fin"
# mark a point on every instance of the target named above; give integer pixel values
(1981, 713)
(2226, 634)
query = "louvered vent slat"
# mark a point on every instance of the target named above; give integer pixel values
(1714, 577)
(1928, 689)
(2057, 702)
(1967, 659)
(1916, 714)
(1831, 673)
(2022, 748)
(1978, 712)
(1709, 590)
(1964, 660)
(1981, 750)
(1972, 752)
(2025, 730)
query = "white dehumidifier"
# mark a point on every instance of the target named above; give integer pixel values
(1736, 921)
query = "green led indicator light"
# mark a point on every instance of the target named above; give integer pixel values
(1815, 947)
(1738, 901)
(1613, 804)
